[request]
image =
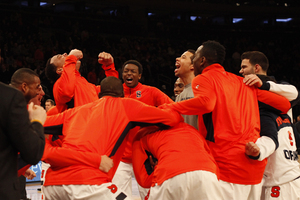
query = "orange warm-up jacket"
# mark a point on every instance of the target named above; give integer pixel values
(148, 95)
(178, 150)
(99, 127)
(72, 90)
(228, 117)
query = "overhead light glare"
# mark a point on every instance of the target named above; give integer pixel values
(284, 20)
(237, 20)
(193, 18)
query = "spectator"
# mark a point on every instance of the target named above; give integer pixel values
(178, 87)
(49, 104)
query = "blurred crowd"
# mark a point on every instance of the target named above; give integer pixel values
(30, 36)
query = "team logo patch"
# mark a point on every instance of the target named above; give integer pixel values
(138, 94)
(113, 188)
(275, 191)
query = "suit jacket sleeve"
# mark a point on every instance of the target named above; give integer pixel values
(28, 138)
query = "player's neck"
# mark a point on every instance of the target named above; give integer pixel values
(187, 79)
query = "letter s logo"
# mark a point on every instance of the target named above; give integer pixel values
(275, 191)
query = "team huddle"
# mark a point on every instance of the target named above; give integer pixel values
(225, 136)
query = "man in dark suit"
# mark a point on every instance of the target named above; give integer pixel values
(28, 82)
(19, 132)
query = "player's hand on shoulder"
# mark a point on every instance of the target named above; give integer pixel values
(252, 79)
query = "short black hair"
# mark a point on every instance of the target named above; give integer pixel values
(193, 52)
(111, 86)
(50, 71)
(134, 62)
(23, 75)
(256, 57)
(213, 51)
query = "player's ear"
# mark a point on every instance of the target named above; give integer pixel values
(203, 60)
(257, 68)
(192, 67)
(59, 70)
(24, 87)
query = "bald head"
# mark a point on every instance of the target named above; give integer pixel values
(111, 86)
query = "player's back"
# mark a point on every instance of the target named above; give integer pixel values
(235, 115)
(103, 122)
(234, 121)
(100, 127)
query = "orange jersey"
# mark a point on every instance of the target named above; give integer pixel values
(50, 139)
(100, 127)
(52, 111)
(178, 150)
(72, 90)
(148, 95)
(231, 120)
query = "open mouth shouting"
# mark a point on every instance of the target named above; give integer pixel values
(177, 65)
(129, 80)
(131, 75)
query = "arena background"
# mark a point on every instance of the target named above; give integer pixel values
(152, 32)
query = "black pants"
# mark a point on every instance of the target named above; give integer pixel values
(22, 181)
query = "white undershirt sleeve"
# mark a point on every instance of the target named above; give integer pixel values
(266, 145)
(288, 91)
